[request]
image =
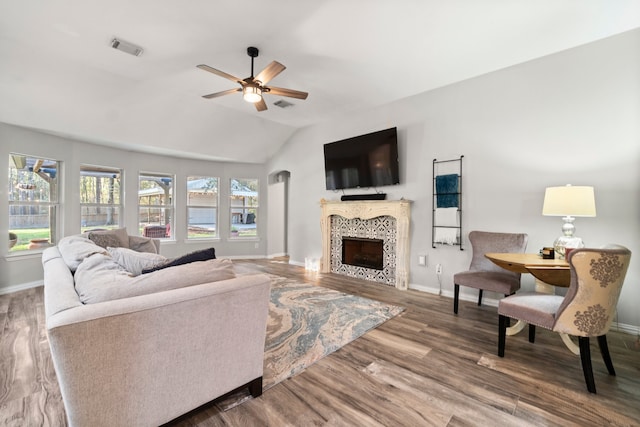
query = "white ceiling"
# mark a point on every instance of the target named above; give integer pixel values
(59, 74)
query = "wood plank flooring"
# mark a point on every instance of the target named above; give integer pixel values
(425, 367)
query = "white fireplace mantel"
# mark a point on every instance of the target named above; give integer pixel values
(368, 209)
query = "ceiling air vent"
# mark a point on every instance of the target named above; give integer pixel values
(127, 47)
(283, 104)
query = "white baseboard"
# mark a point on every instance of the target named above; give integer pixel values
(277, 255)
(21, 287)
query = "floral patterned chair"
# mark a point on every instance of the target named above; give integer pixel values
(587, 310)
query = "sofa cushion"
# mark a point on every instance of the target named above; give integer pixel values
(99, 278)
(74, 249)
(134, 262)
(117, 238)
(201, 255)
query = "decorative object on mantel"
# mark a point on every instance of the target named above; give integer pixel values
(568, 201)
(366, 210)
(447, 202)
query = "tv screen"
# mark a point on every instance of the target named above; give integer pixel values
(363, 161)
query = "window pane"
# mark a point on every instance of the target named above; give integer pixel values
(33, 198)
(32, 179)
(155, 189)
(202, 223)
(29, 222)
(202, 191)
(99, 185)
(99, 217)
(244, 207)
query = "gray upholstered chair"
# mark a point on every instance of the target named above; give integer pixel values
(587, 310)
(483, 274)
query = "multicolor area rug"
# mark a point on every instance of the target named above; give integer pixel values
(308, 322)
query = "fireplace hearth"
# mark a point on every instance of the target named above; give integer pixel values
(368, 253)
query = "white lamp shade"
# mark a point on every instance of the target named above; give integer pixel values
(569, 201)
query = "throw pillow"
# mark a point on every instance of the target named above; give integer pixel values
(134, 262)
(201, 255)
(74, 249)
(117, 238)
(142, 244)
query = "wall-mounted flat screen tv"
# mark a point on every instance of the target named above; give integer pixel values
(363, 161)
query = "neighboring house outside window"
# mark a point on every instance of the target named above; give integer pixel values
(155, 204)
(33, 202)
(100, 197)
(202, 207)
(243, 204)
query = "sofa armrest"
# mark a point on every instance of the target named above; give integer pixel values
(149, 359)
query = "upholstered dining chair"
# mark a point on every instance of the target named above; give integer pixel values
(483, 274)
(587, 310)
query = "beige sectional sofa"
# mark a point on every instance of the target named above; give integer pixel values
(144, 360)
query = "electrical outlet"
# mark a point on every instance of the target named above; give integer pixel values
(439, 269)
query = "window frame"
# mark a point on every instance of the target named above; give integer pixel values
(233, 225)
(119, 207)
(53, 204)
(215, 207)
(170, 207)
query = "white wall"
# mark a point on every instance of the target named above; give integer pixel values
(17, 271)
(573, 117)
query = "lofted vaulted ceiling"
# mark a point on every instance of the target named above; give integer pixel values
(59, 74)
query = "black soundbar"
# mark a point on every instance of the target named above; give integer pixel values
(352, 197)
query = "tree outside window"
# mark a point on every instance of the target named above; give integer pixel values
(100, 197)
(243, 204)
(33, 202)
(202, 207)
(155, 204)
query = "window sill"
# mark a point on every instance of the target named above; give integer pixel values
(23, 255)
(243, 239)
(203, 240)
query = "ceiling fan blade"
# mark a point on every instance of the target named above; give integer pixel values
(287, 92)
(224, 92)
(260, 105)
(221, 74)
(270, 72)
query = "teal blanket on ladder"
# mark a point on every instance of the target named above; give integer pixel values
(447, 191)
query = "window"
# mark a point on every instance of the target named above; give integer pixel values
(155, 205)
(202, 207)
(33, 202)
(244, 207)
(100, 197)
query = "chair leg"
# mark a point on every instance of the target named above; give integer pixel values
(456, 296)
(585, 358)
(480, 298)
(502, 334)
(532, 333)
(604, 350)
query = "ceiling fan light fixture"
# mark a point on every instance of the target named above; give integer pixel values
(252, 93)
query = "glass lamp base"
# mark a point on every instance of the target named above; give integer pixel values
(563, 242)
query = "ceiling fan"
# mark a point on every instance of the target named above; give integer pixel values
(252, 87)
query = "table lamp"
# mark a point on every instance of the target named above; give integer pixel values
(568, 202)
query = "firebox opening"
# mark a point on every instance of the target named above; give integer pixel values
(368, 253)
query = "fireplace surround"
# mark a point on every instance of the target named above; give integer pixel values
(378, 219)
